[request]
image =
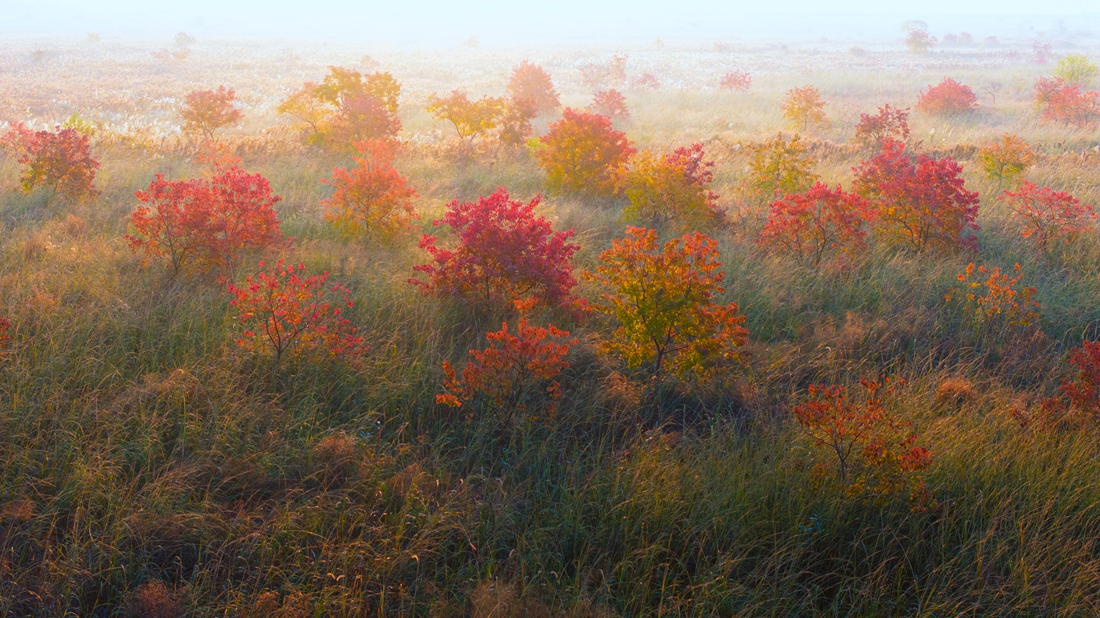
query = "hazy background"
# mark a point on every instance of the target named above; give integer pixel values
(507, 23)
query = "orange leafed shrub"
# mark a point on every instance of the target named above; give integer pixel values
(610, 103)
(947, 97)
(1066, 103)
(372, 200)
(583, 153)
(995, 302)
(204, 223)
(291, 314)
(818, 224)
(1006, 158)
(803, 107)
(361, 118)
(59, 161)
(206, 111)
(671, 189)
(736, 81)
(530, 81)
(663, 298)
(876, 455)
(1048, 215)
(890, 122)
(515, 374)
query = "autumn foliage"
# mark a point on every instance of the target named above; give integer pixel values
(531, 82)
(736, 81)
(515, 374)
(919, 41)
(1047, 215)
(890, 122)
(504, 252)
(610, 103)
(947, 97)
(1066, 103)
(59, 161)
(778, 167)
(204, 223)
(1006, 158)
(583, 153)
(671, 189)
(1083, 390)
(5, 335)
(922, 204)
(663, 299)
(803, 107)
(373, 199)
(994, 302)
(818, 225)
(206, 111)
(346, 107)
(291, 314)
(469, 118)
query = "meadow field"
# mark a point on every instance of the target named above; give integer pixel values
(156, 459)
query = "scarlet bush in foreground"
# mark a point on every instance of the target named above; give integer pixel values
(947, 97)
(818, 224)
(504, 253)
(57, 160)
(671, 189)
(373, 199)
(288, 313)
(204, 223)
(663, 298)
(921, 204)
(583, 153)
(1049, 215)
(515, 374)
(1083, 390)
(206, 111)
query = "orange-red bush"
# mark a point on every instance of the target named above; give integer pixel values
(1048, 215)
(58, 160)
(610, 103)
(736, 80)
(372, 200)
(819, 224)
(948, 97)
(1067, 103)
(583, 153)
(532, 82)
(889, 122)
(206, 111)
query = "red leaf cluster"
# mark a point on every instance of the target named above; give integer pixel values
(889, 122)
(373, 199)
(1083, 391)
(816, 225)
(1067, 103)
(360, 118)
(1048, 214)
(583, 153)
(530, 81)
(206, 111)
(610, 103)
(947, 97)
(58, 160)
(736, 80)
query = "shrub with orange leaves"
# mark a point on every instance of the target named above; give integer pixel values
(216, 155)
(818, 224)
(610, 103)
(921, 204)
(663, 298)
(671, 189)
(890, 122)
(1066, 103)
(504, 253)
(515, 123)
(341, 84)
(531, 82)
(995, 303)
(779, 167)
(309, 110)
(206, 111)
(946, 98)
(361, 118)
(876, 455)
(583, 153)
(470, 118)
(290, 314)
(204, 223)
(1048, 215)
(372, 200)
(59, 161)
(515, 374)
(1006, 158)
(736, 81)
(803, 107)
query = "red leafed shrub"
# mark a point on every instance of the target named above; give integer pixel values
(1062, 102)
(372, 200)
(361, 118)
(672, 188)
(504, 253)
(292, 314)
(58, 160)
(515, 373)
(736, 81)
(204, 223)
(1041, 51)
(646, 81)
(663, 298)
(889, 122)
(1048, 214)
(1083, 391)
(532, 82)
(583, 153)
(206, 111)
(921, 204)
(818, 224)
(948, 97)
(5, 335)
(876, 455)
(610, 103)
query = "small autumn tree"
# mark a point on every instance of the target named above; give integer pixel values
(206, 111)
(204, 223)
(470, 118)
(1066, 103)
(610, 103)
(672, 189)
(889, 122)
(290, 314)
(818, 225)
(515, 123)
(664, 301)
(778, 167)
(583, 153)
(1047, 215)
(515, 374)
(803, 107)
(1006, 158)
(736, 81)
(373, 200)
(531, 82)
(947, 98)
(1075, 69)
(361, 118)
(346, 107)
(59, 161)
(309, 110)
(919, 41)
(504, 252)
(921, 204)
